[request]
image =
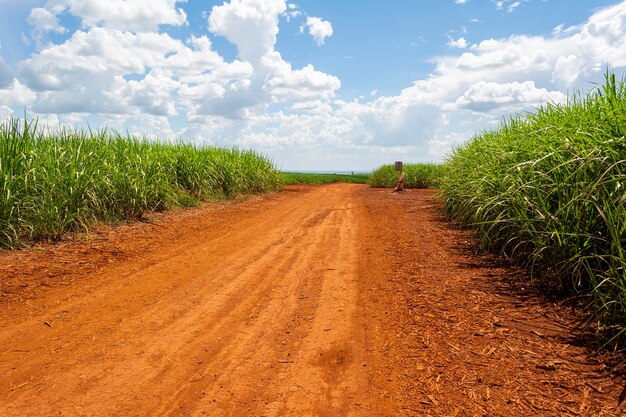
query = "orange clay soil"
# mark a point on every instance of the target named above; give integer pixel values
(335, 300)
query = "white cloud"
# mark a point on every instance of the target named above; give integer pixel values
(484, 96)
(112, 72)
(135, 15)
(100, 52)
(292, 12)
(17, 94)
(154, 94)
(141, 79)
(460, 43)
(566, 70)
(305, 84)
(510, 5)
(474, 90)
(461, 1)
(251, 25)
(43, 21)
(319, 29)
(514, 6)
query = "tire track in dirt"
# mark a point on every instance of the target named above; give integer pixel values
(254, 312)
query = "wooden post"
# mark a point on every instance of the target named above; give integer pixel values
(400, 185)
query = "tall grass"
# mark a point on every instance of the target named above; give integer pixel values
(417, 176)
(51, 183)
(548, 190)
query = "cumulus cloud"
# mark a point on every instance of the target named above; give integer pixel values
(460, 43)
(100, 52)
(155, 93)
(18, 94)
(90, 73)
(136, 15)
(484, 96)
(496, 77)
(319, 29)
(44, 20)
(251, 25)
(517, 74)
(134, 76)
(305, 84)
(108, 71)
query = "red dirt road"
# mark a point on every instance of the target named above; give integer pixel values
(336, 300)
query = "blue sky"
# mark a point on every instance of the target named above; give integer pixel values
(315, 85)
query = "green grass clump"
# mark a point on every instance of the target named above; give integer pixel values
(291, 178)
(417, 176)
(548, 190)
(54, 183)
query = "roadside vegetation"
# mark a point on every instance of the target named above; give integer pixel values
(291, 178)
(417, 176)
(548, 190)
(54, 182)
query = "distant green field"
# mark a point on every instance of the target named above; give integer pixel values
(417, 176)
(290, 178)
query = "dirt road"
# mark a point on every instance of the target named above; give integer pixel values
(337, 300)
